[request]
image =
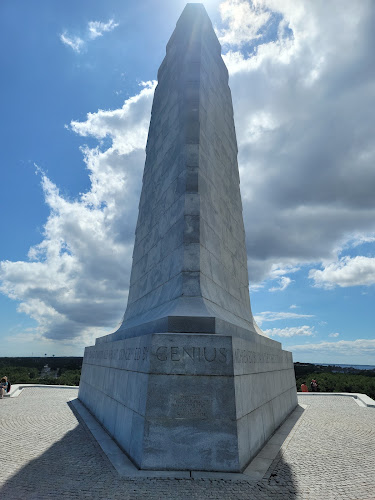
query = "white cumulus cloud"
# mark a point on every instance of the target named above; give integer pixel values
(277, 316)
(97, 28)
(346, 272)
(119, 123)
(94, 29)
(74, 42)
(284, 282)
(244, 21)
(293, 331)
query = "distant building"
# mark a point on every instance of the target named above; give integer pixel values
(47, 372)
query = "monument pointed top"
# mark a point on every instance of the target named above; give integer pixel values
(192, 17)
(193, 11)
(191, 25)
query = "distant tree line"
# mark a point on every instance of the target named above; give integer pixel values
(67, 371)
(64, 370)
(336, 379)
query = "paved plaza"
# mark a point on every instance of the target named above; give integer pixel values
(47, 452)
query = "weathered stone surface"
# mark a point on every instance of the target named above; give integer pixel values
(166, 396)
(187, 382)
(189, 255)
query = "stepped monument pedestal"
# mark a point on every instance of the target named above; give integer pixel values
(189, 382)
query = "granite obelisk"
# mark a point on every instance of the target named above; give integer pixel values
(187, 382)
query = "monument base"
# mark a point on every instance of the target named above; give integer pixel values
(204, 402)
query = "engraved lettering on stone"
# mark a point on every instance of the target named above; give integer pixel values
(188, 351)
(245, 356)
(209, 356)
(161, 353)
(190, 406)
(198, 349)
(175, 354)
(191, 354)
(128, 354)
(223, 354)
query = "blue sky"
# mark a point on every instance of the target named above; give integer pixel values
(77, 94)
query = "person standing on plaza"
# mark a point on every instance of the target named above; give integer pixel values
(314, 385)
(3, 387)
(304, 387)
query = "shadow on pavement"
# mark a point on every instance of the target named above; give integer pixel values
(76, 468)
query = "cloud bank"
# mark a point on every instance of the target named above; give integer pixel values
(350, 348)
(303, 97)
(75, 282)
(301, 91)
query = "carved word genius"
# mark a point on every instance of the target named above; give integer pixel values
(205, 354)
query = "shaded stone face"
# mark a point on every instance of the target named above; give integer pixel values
(189, 261)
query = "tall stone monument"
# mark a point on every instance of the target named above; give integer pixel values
(188, 381)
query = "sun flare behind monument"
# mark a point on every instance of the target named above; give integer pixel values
(187, 382)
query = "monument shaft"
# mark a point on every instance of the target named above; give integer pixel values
(189, 267)
(187, 382)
